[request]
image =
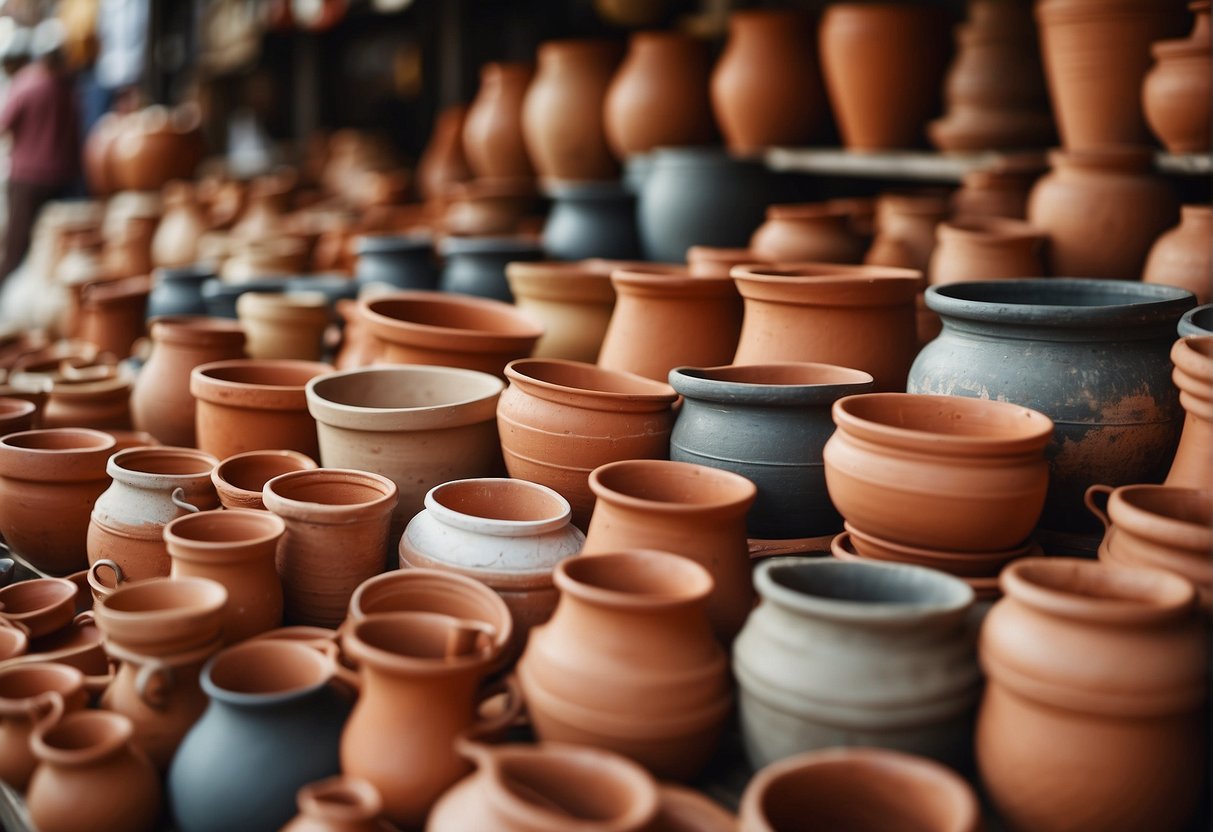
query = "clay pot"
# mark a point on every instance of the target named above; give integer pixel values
(443, 163)
(992, 193)
(492, 132)
(994, 248)
(686, 810)
(562, 113)
(26, 691)
(1196, 321)
(235, 548)
(418, 426)
(857, 789)
(220, 297)
(591, 219)
(1102, 666)
(112, 314)
(659, 95)
(13, 644)
(240, 478)
(101, 404)
(250, 405)
(38, 607)
(151, 487)
(419, 675)
(711, 261)
(662, 321)
(566, 787)
(256, 257)
(329, 510)
(509, 534)
(941, 472)
(487, 207)
(49, 480)
(689, 510)
(766, 89)
(16, 415)
(883, 64)
(405, 261)
(1176, 92)
(289, 325)
(177, 290)
(89, 756)
(559, 419)
(1193, 375)
(1112, 189)
(264, 215)
(476, 265)
(358, 347)
(97, 148)
(905, 229)
(175, 242)
(769, 423)
(433, 328)
(1095, 57)
(275, 719)
(573, 302)
(826, 629)
(817, 232)
(1180, 257)
(811, 312)
(338, 804)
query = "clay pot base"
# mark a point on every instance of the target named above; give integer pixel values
(961, 564)
(984, 588)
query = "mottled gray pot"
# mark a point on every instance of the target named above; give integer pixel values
(1093, 355)
(405, 261)
(1198, 321)
(476, 265)
(591, 219)
(220, 297)
(178, 290)
(768, 423)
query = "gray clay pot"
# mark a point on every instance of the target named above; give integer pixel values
(405, 261)
(220, 297)
(591, 219)
(1198, 321)
(178, 290)
(476, 265)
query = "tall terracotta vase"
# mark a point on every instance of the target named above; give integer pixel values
(573, 302)
(492, 132)
(443, 162)
(1182, 256)
(812, 232)
(175, 242)
(994, 248)
(1177, 90)
(1193, 375)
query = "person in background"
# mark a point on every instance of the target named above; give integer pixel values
(40, 114)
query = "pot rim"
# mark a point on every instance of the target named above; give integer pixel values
(989, 230)
(740, 496)
(62, 592)
(319, 663)
(11, 408)
(209, 598)
(115, 728)
(827, 284)
(554, 521)
(176, 531)
(120, 464)
(330, 513)
(191, 329)
(1188, 326)
(357, 799)
(1130, 516)
(208, 384)
(75, 463)
(728, 384)
(360, 650)
(642, 389)
(513, 325)
(686, 582)
(219, 474)
(72, 677)
(560, 282)
(998, 302)
(826, 210)
(1067, 588)
(458, 412)
(679, 286)
(444, 580)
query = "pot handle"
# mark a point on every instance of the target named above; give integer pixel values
(342, 674)
(494, 726)
(178, 498)
(99, 589)
(149, 669)
(1089, 499)
(46, 709)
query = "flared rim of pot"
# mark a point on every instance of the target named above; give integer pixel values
(842, 547)
(193, 329)
(275, 383)
(307, 306)
(914, 788)
(453, 246)
(432, 318)
(219, 530)
(341, 799)
(671, 284)
(559, 281)
(571, 190)
(377, 242)
(40, 605)
(662, 485)
(309, 495)
(71, 388)
(138, 612)
(54, 454)
(1098, 592)
(157, 465)
(607, 266)
(81, 737)
(565, 376)
(634, 578)
(21, 683)
(11, 408)
(230, 475)
(734, 256)
(396, 405)
(827, 284)
(237, 674)
(1183, 516)
(191, 272)
(420, 643)
(1196, 321)
(1067, 302)
(790, 383)
(989, 230)
(513, 507)
(939, 424)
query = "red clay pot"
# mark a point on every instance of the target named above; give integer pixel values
(25, 694)
(1182, 256)
(992, 193)
(905, 229)
(239, 479)
(443, 162)
(573, 301)
(812, 232)
(338, 804)
(16, 415)
(492, 132)
(1193, 375)
(103, 404)
(994, 248)
(714, 261)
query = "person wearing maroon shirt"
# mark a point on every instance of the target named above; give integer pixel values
(41, 115)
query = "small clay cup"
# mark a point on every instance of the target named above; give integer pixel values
(162, 616)
(240, 478)
(39, 607)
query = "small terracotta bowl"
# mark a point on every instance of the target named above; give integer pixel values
(41, 606)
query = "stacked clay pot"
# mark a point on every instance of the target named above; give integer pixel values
(1182, 257)
(492, 132)
(1193, 375)
(1176, 92)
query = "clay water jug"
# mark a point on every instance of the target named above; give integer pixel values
(443, 163)
(1182, 256)
(1193, 375)
(26, 693)
(1175, 94)
(492, 132)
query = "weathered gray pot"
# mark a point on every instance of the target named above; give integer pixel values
(591, 219)
(767, 422)
(1198, 321)
(1092, 355)
(476, 265)
(405, 261)
(178, 290)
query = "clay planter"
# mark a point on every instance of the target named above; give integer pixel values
(418, 426)
(38, 607)
(1197, 321)
(994, 248)
(476, 265)
(405, 261)
(250, 405)
(102, 404)
(151, 487)
(49, 480)
(326, 511)
(1176, 92)
(1161, 527)
(235, 548)
(905, 229)
(573, 302)
(1112, 189)
(18, 414)
(508, 534)
(883, 66)
(689, 510)
(659, 95)
(567, 787)
(1095, 57)
(664, 703)
(811, 312)
(769, 423)
(288, 325)
(239, 479)
(112, 314)
(662, 321)
(857, 789)
(1017, 340)
(559, 420)
(338, 804)
(89, 756)
(562, 120)
(826, 630)
(451, 331)
(766, 88)
(817, 232)
(442, 164)
(1193, 375)
(26, 691)
(492, 133)
(1180, 257)
(1093, 665)
(590, 219)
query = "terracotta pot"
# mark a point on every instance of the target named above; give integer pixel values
(1176, 92)
(97, 149)
(112, 314)
(476, 265)
(328, 510)
(939, 472)
(101, 404)
(1095, 57)
(812, 311)
(1180, 257)
(689, 510)
(251, 405)
(257, 257)
(264, 214)
(13, 644)
(16, 415)
(883, 65)
(992, 193)
(150, 488)
(443, 163)
(89, 755)
(239, 479)
(566, 787)
(686, 810)
(338, 804)
(26, 691)
(1102, 666)
(816, 232)
(711, 261)
(766, 88)
(559, 420)
(994, 248)
(1193, 375)
(235, 548)
(155, 147)
(405, 261)
(1113, 189)
(418, 426)
(38, 607)
(659, 95)
(419, 674)
(562, 113)
(855, 789)
(573, 302)
(487, 207)
(492, 133)
(289, 325)
(358, 347)
(161, 402)
(49, 480)
(905, 229)
(175, 242)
